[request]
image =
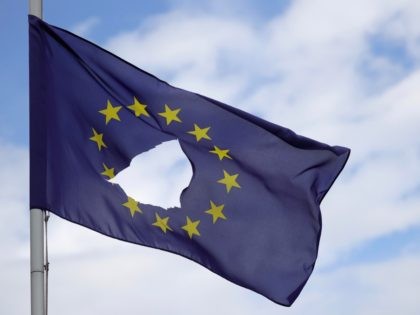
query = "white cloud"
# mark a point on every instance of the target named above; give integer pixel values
(84, 28)
(404, 26)
(303, 70)
(191, 49)
(126, 278)
(154, 179)
(377, 288)
(14, 229)
(14, 214)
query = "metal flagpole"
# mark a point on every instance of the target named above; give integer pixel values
(37, 262)
(37, 230)
(35, 8)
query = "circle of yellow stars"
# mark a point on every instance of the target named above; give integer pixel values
(170, 115)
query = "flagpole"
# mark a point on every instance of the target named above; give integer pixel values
(38, 302)
(35, 8)
(37, 262)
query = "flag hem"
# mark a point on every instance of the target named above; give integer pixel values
(168, 251)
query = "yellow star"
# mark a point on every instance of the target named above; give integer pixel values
(110, 112)
(221, 153)
(191, 227)
(108, 171)
(97, 137)
(138, 108)
(133, 206)
(162, 223)
(170, 114)
(200, 133)
(229, 181)
(216, 211)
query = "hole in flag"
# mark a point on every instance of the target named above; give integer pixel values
(157, 176)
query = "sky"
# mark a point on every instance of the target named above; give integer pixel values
(344, 73)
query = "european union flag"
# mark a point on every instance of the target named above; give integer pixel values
(251, 212)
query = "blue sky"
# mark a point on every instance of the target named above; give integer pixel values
(345, 75)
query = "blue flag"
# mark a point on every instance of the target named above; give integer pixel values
(251, 211)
